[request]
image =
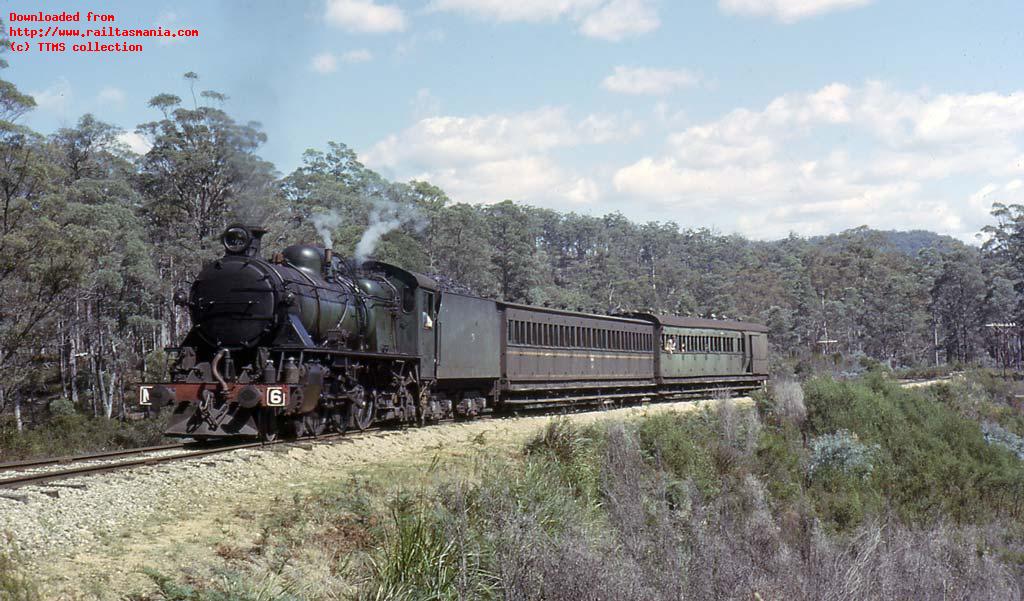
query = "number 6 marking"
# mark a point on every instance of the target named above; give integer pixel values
(275, 397)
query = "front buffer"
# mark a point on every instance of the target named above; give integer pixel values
(209, 410)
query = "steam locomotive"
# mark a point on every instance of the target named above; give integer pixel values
(307, 342)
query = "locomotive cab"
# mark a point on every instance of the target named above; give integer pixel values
(417, 321)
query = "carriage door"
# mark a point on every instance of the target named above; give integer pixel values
(759, 353)
(428, 334)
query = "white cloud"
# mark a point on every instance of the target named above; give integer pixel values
(612, 20)
(787, 11)
(325, 62)
(136, 142)
(111, 95)
(449, 140)
(599, 128)
(56, 98)
(620, 19)
(488, 158)
(837, 157)
(364, 16)
(646, 80)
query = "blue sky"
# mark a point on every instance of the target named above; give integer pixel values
(761, 117)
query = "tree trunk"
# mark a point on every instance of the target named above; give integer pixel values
(17, 413)
(73, 358)
(61, 356)
(108, 399)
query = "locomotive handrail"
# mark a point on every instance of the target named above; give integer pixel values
(343, 352)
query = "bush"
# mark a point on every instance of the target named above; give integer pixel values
(675, 506)
(841, 452)
(62, 406)
(997, 435)
(931, 461)
(74, 433)
(788, 402)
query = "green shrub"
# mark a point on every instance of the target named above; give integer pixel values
(573, 452)
(684, 447)
(75, 433)
(932, 462)
(841, 452)
(418, 560)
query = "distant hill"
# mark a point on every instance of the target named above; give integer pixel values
(909, 242)
(913, 241)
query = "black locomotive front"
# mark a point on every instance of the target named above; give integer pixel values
(265, 337)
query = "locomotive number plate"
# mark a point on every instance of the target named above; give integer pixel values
(276, 396)
(144, 394)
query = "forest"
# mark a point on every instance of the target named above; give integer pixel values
(95, 239)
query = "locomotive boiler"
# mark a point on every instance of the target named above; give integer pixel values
(305, 341)
(296, 344)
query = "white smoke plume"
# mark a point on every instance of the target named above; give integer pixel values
(385, 216)
(374, 231)
(325, 223)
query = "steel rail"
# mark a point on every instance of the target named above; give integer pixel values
(30, 463)
(89, 470)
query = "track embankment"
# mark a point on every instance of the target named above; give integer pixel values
(99, 533)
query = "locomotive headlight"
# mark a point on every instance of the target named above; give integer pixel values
(236, 239)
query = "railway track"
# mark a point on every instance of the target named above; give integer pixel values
(25, 472)
(34, 463)
(22, 478)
